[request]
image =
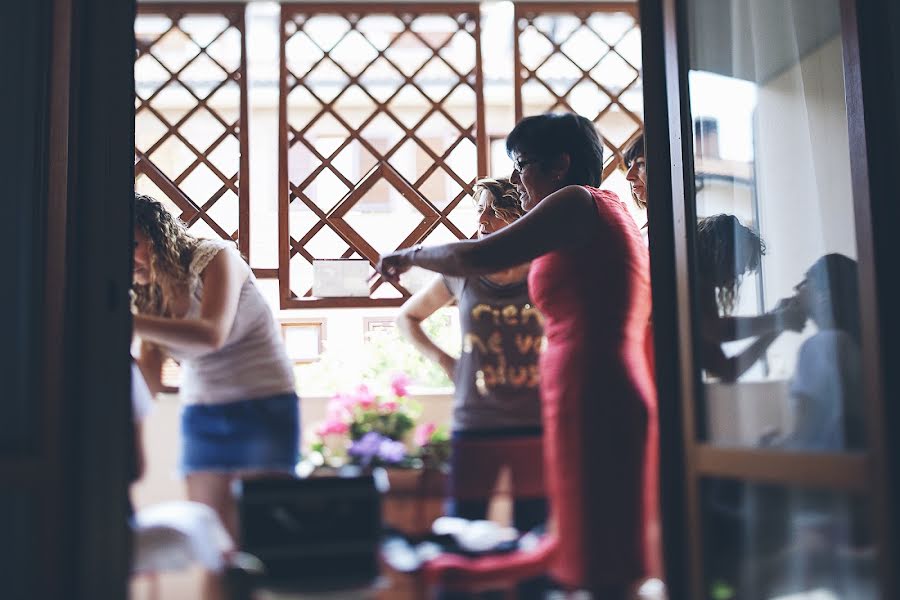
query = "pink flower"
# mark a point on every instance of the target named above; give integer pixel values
(399, 384)
(423, 433)
(344, 399)
(365, 399)
(389, 406)
(339, 409)
(332, 427)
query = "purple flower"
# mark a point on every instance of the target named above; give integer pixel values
(366, 448)
(374, 445)
(391, 451)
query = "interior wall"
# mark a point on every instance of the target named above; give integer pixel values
(803, 178)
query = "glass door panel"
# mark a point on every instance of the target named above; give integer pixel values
(775, 276)
(770, 542)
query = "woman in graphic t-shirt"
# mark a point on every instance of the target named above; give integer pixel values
(497, 406)
(497, 410)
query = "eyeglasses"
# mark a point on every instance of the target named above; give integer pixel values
(520, 163)
(638, 163)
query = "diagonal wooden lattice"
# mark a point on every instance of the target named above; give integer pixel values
(370, 100)
(584, 58)
(191, 145)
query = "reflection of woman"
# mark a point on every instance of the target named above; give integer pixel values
(197, 301)
(590, 278)
(827, 382)
(726, 251)
(497, 411)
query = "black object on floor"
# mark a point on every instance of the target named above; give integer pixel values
(313, 534)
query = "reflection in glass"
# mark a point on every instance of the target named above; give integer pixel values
(777, 311)
(727, 251)
(764, 542)
(827, 383)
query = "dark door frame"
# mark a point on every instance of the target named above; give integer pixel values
(99, 239)
(872, 54)
(78, 469)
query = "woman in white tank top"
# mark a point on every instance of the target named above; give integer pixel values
(197, 301)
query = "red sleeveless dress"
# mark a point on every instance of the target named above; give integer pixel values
(599, 402)
(599, 413)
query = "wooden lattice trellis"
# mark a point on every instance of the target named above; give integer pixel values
(593, 84)
(337, 57)
(191, 107)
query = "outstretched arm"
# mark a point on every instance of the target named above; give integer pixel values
(222, 282)
(422, 305)
(786, 316)
(730, 368)
(564, 218)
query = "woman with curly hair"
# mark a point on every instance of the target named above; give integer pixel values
(196, 301)
(726, 252)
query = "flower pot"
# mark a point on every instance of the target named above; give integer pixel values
(415, 499)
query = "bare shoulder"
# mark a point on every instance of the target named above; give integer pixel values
(570, 197)
(225, 262)
(575, 193)
(574, 199)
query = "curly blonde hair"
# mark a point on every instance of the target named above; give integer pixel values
(171, 251)
(506, 203)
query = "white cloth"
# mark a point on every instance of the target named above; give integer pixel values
(176, 535)
(141, 398)
(474, 536)
(253, 363)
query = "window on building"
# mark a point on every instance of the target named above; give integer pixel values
(303, 338)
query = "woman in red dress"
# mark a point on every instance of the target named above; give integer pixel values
(590, 278)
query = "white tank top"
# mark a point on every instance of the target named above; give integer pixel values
(252, 363)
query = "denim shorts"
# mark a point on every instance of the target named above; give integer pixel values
(246, 435)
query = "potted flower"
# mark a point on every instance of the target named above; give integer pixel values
(370, 429)
(367, 429)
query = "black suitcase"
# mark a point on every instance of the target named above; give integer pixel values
(312, 534)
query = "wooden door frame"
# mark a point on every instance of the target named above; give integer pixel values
(30, 473)
(88, 441)
(661, 99)
(874, 62)
(877, 141)
(67, 158)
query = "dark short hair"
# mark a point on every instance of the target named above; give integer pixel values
(633, 151)
(833, 282)
(546, 137)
